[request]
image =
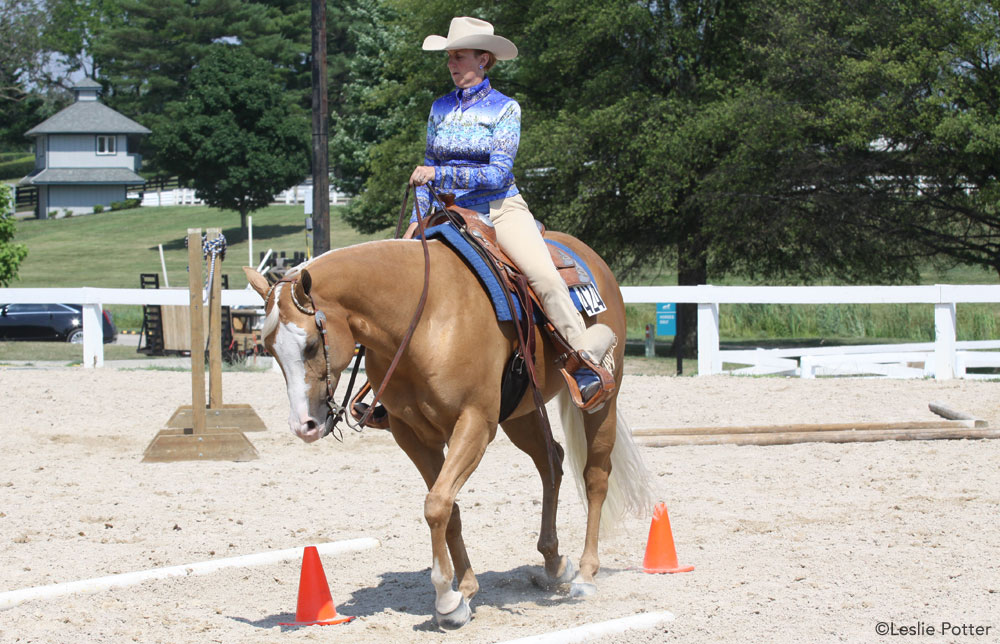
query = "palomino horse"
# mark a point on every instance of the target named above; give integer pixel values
(445, 391)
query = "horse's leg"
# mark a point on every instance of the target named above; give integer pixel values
(526, 434)
(600, 430)
(444, 478)
(429, 462)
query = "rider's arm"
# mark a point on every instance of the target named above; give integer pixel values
(421, 193)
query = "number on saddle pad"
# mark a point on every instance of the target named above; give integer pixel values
(590, 299)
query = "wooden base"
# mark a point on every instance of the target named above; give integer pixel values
(238, 417)
(215, 444)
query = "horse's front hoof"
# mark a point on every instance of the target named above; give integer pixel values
(582, 589)
(548, 582)
(568, 574)
(456, 618)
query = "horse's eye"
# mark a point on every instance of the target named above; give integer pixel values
(312, 346)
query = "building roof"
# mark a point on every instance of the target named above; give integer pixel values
(81, 176)
(86, 83)
(87, 117)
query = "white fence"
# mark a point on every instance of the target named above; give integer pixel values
(943, 359)
(94, 299)
(186, 197)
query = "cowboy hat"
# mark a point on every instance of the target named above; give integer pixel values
(472, 33)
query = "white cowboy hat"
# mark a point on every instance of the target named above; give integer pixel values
(472, 33)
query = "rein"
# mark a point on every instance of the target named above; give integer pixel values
(337, 411)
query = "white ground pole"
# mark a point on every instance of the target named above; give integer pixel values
(163, 265)
(590, 631)
(12, 598)
(250, 240)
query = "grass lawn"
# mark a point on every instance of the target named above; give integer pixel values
(62, 352)
(111, 249)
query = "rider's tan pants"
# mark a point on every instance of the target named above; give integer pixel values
(519, 237)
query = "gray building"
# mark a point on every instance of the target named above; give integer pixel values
(85, 155)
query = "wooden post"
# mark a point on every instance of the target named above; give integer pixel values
(678, 333)
(197, 330)
(320, 129)
(215, 330)
(196, 433)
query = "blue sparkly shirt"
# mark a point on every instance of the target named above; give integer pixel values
(472, 139)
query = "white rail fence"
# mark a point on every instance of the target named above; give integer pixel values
(945, 358)
(94, 299)
(300, 194)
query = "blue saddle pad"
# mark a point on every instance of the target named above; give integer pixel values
(451, 236)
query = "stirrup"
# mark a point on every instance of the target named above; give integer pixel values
(590, 384)
(378, 419)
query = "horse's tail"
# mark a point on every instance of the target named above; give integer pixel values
(630, 488)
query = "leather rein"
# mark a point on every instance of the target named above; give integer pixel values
(338, 411)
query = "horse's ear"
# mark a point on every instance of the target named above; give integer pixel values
(257, 281)
(306, 280)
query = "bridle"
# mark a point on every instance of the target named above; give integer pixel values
(337, 411)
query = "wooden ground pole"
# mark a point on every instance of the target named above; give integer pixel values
(816, 433)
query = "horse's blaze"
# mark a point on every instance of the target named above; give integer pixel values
(289, 349)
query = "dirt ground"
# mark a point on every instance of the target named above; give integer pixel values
(800, 543)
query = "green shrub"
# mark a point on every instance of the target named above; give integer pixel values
(125, 205)
(98, 208)
(17, 168)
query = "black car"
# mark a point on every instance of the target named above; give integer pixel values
(48, 322)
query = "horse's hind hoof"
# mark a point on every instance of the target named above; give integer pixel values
(456, 618)
(579, 589)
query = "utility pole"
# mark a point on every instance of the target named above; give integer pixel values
(320, 132)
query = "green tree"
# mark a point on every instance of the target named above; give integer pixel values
(931, 93)
(650, 130)
(74, 28)
(795, 140)
(21, 56)
(147, 55)
(237, 137)
(376, 138)
(11, 254)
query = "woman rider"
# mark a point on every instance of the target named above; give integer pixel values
(472, 139)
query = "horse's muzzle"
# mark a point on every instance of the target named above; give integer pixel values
(308, 431)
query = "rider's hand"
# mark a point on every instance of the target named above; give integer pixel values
(422, 174)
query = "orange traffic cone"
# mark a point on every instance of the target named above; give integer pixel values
(660, 553)
(315, 604)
